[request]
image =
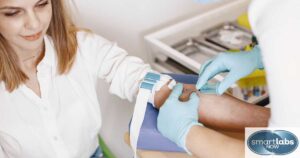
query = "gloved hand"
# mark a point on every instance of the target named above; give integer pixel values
(238, 64)
(175, 118)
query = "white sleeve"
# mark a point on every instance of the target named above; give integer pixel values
(277, 26)
(110, 62)
(2, 155)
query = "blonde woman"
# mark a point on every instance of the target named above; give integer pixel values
(48, 73)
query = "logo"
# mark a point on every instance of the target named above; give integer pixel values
(272, 142)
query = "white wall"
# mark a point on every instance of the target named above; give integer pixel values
(126, 22)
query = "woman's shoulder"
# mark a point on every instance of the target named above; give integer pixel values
(90, 44)
(86, 37)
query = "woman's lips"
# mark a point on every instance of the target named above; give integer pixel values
(33, 37)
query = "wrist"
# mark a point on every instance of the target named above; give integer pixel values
(188, 135)
(159, 82)
(162, 95)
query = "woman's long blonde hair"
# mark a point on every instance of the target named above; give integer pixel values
(63, 32)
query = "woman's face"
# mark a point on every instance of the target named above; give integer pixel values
(23, 23)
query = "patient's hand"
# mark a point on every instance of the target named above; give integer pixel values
(162, 95)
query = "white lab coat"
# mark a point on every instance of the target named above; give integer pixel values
(65, 121)
(276, 23)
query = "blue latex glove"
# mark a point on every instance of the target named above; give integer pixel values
(175, 118)
(238, 64)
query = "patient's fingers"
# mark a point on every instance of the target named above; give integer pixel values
(188, 89)
(184, 96)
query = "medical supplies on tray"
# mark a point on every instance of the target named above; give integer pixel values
(228, 37)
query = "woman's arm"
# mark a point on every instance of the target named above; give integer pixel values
(206, 143)
(105, 60)
(231, 114)
(2, 155)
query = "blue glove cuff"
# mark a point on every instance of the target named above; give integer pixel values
(257, 52)
(182, 142)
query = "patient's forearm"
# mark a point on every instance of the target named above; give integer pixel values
(197, 143)
(228, 113)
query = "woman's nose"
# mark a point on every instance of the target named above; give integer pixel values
(33, 21)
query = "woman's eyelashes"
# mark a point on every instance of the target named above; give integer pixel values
(15, 13)
(43, 4)
(11, 14)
